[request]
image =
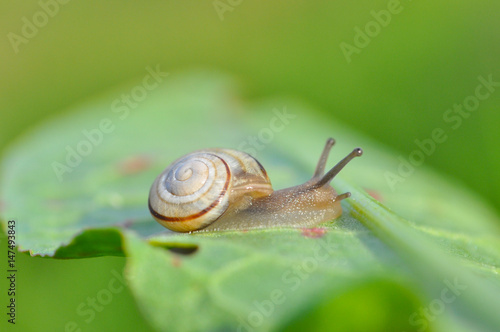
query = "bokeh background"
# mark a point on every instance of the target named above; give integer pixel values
(395, 89)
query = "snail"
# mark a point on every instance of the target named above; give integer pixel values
(224, 189)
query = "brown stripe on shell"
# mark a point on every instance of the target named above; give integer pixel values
(260, 166)
(202, 212)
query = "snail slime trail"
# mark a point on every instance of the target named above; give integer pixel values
(224, 189)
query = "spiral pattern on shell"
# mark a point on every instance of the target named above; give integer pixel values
(195, 190)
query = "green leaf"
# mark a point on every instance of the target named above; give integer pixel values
(263, 279)
(92, 243)
(474, 295)
(266, 279)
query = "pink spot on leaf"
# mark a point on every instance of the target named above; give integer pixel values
(127, 223)
(313, 233)
(176, 261)
(134, 165)
(375, 194)
(54, 204)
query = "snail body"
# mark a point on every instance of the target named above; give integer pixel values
(224, 189)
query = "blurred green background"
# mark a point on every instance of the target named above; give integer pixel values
(395, 89)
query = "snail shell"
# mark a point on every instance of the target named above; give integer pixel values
(197, 189)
